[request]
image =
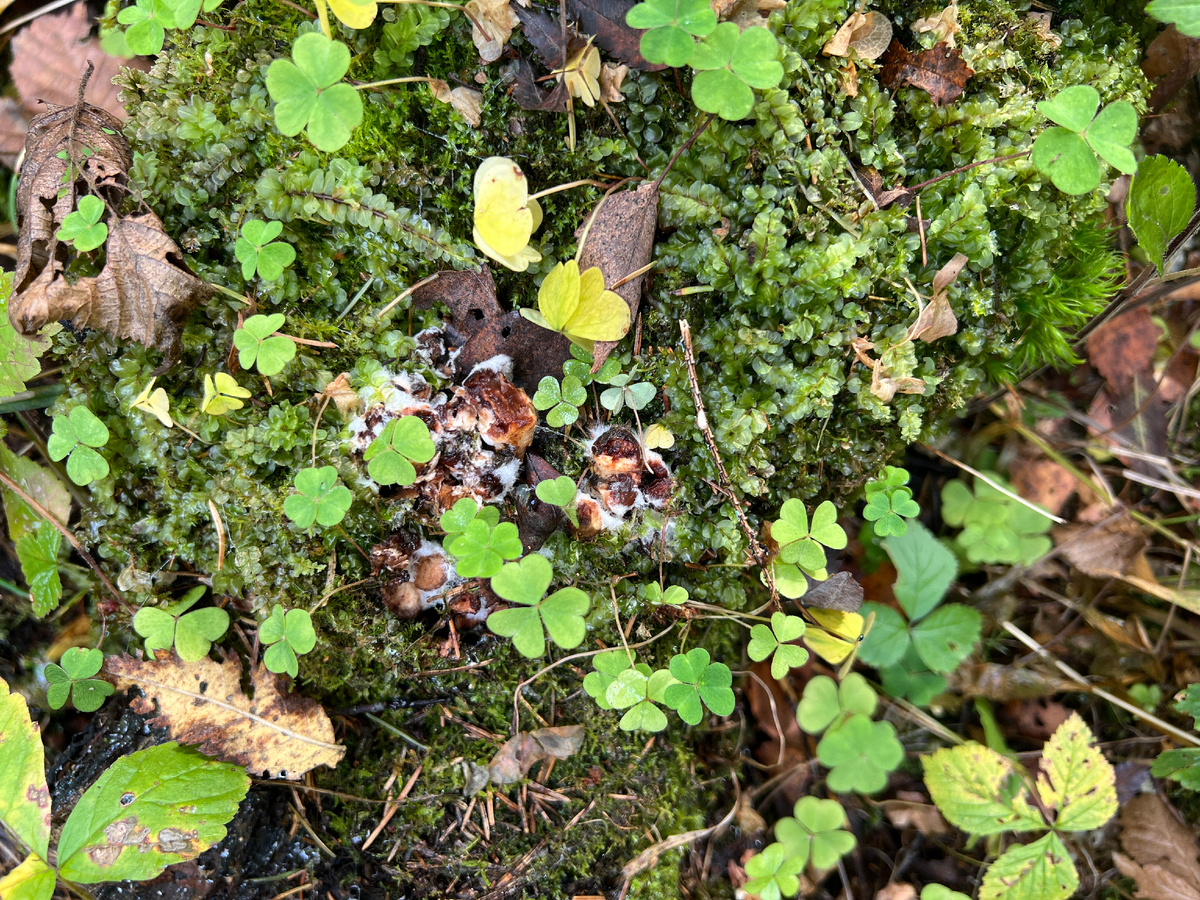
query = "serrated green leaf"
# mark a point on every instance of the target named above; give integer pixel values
(925, 570)
(978, 790)
(1039, 871)
(19, 355)
(38, 556)
(1161, 199)
(1076, 779)
(945, 637)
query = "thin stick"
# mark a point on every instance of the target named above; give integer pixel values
(220, 526)
(1005, 491)
(407, 79)
(420, 284)
(570, 184)
(305, 341)
(682, 150)
(650, 856)
(1165, 727)
(392, 806)
(967, 167)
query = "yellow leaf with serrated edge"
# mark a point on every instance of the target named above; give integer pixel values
(354, 15)
(222, 395)
(155, 402)
(1076, 779)
(979, 791)
(505, 217)
(578, 306)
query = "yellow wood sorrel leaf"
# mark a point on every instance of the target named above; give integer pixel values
(582, 74)
(578, 306)
(505, 217)
(354, 15)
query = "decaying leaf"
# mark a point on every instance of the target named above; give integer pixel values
(277, 734)
(1123, 347)
(1163, 851)
(469, 294)
(872, 183)
(498, 18)
(939, 71)
(537, 520)
(839, 591)
(546, 36)
(1039, 24)
(867, 34)
(513, 761)
(620, 240)
(937, 319)
(944, 25)
(343, 395)
(606, 20)
(527, 95)
(611, 79)
(467, 101)
(535, 352)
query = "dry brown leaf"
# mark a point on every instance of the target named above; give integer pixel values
(885, 387)
(944, 25)
(275, 734)
(1112, 546)
(1042, 481)
(1039, 23)
(937, 319)
(513, 761)
(498, 18)
(468, 102)
(611, 78)
(867, 34)
(939, 71)
(1156, 882)
(1124, 346)
(1163, 850)
(848, 78)
(919, 814)
(896, 890)
(343, 395)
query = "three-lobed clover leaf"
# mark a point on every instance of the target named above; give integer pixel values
(222, 394)
(258, 251)
(524, 583)
(1161, 198)
(505, 217)
(815, 833)
(578, 305)
(580, 367)
(73, 678)
(402, 442)
(729, 63)
(802, 545)
(638, 690)
(155, 402)
(82, 227)
(456, 519)
(1183, 14)
(670, 26)
(191, 633)
(563, 400)
(996, 528)
(1067, 151)
(773, 873)
(765, 641)
(75, 436)
(825, 702)
(147, 21)
(286, 636)
(622, 394)
(608, 665)
(558, 491)
(699, 679)
(256, 346)
(321, 498)
(886, 510)
(482, 549)
(310, 95)
(859, 754)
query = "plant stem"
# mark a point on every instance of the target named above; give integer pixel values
(967, 167)
(387, 81)
(570, 184)
(323, 15)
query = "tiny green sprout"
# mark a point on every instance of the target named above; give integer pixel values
(886, 511)
(608, 665)
(860, 754)
(73, 679)
(637, 690)
(83, 227)
(191, 633)
(562, 401)
(482, 549)
(580, 367)
(75, 435)
(287, 636)
(700, 679)
(773, 874)
(817, 833)
(255, 344)
(524, 583)
(825, 702)
(456, 519)
(258, 251)
(402, 442)
(558, 491)
(321, 498)
(622, 394)
(804, 546)
(1067, 151)
(674, 595)
(670, 26)
(222, 394)
(310, 95)
(729, 63)
(775, 640)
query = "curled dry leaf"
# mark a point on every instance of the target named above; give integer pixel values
(343, 395)
(867, 34)
(944, 25)
(611, 79)
(1163, 850)
(498, 18)
(939, 71)
(513, 761)
(1039, 24)
(937, 319)
(282, 735)
(606, 20)
(468, 102)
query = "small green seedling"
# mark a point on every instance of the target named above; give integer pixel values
(982, 792)
(524, 583)
(826, 704)
(82, 227)
(1161, 198)
(674, 595)
(222, 394)
(995, 527)
(256, 346)
(671, 28)
(889, 503)
(465, 511)
(638, 690)
(580, 367)
(558, 491)
(859, 754)
(258, 251)
(75, 436)
(699, 679)
(73, 679)
(402, 442)
(775, 642)
(1147, 696)
(190, 633)
(321, 498)
(816, 833)
(773, 873)
(310, 95)
(1067, 152)
(563, 401)
(729, 64)
(286, 636)
(482, 548)
(622, 394)
(1182, 765)
(178, 800)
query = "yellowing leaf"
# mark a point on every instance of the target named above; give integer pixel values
(222, 396)
(505, 217)
(979, 791)
(1076, 779)
(354, 15)
(33, 879)
(155, 402)
(24, 799)
(838, 638)
(578, 306)
(659, 437)
(582, 74)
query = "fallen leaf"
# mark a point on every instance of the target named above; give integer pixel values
(839, 591)
(546, 36)
(537, 520)
(1035, 719)
(1039, 24)
(1042, 481)
(848, 79)
(468, 102)
(919, 814)
(535, 352)
(885, 387)
(469, 294)
(867, 34)
(936, 319)
(1132, 419)
(1163, 850)
(1124, 346)
(611, 79)
(944, 25)
(620, 240)
(1172, 60)
(343, 395)
(513, 761)
(1001, 683)
(896, 890)
(527, 95)
(276, 734)
(606, 20)
(499, 19)
(1115, 545)
(939, 71)
(872, 182)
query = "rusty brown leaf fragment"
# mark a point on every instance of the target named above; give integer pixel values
(939, 71)
(513, 761)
